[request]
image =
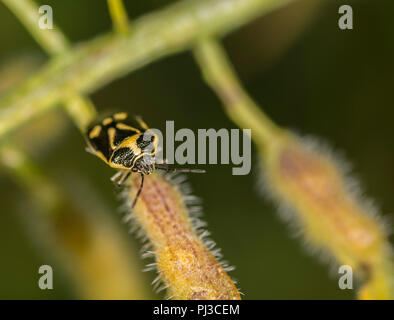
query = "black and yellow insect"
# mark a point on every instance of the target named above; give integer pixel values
(128, 146)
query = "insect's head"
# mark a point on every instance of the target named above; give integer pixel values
(147, 142)
(144, 164)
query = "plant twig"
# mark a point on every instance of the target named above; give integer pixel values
(308, 182)
(88, 245)
(187, 267)
(240, 108)
(53, 41)
(81, 109)
(118, 16)
(97, 62)
(107, 253)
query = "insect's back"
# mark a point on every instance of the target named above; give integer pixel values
(106, 135)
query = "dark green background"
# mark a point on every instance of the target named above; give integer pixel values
(307, 75)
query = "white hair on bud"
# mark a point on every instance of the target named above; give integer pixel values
(351, 186)
(193, 206)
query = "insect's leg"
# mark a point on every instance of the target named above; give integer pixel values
(165, 168)
(116, 176)
(89, 149)
(139, 192)
(142, 123)
(123, 178)
(163, 163)
(120, 177)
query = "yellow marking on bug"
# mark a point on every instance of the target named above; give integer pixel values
(107, 121)
(101, 156)
(120, 116)
(111, 137)
(131, 143)
(117, 165)
(122, 126)
(97, 153)
(95, 132)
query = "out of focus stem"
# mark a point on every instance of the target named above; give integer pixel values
(95, 63)
(239, 106)
(53, 41)
(306, 181)
(118, 16)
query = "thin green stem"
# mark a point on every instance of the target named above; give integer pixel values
(97, 62)
(81, 109)
(239, 106)
(118, 16)
(52, 41)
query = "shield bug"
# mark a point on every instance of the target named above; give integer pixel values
(130, 147)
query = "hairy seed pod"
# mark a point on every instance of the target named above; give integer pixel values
(316, 193)
(186, 266)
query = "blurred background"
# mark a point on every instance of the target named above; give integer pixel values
(303, 70)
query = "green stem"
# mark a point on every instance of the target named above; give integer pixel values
(239, 106)
(53, 41)
(97, 62)
(118, 16)
(81, 109)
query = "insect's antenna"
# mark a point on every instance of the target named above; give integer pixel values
(139, 192)
(165, 168)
